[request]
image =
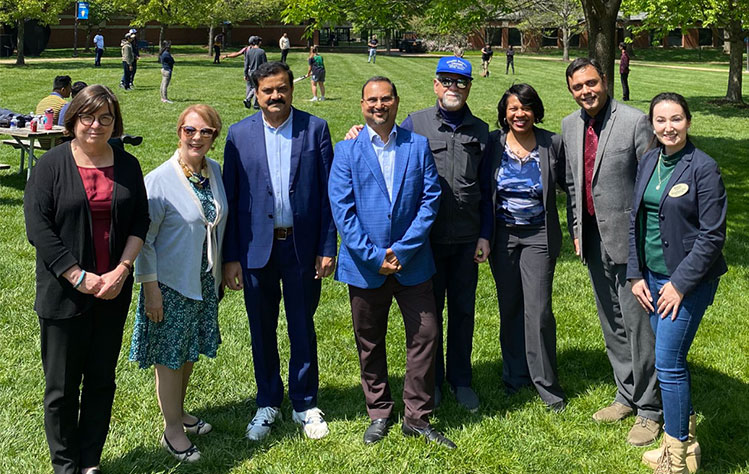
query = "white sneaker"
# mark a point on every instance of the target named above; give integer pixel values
(314, 99)
(312, 422)
(322, 99)
(259, 427)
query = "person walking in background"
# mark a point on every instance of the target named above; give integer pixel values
(218, 42)
(167, 66)
(276, 165)
(87, 217)
(99, 45)
(624, 71)
(372, 45)
(180, 270)
(510, 53)
(676, 236)
(254, 57)
(384, 193)
(136, 54)
(603, 141)
(316, 73)
(285, 45)
(524, 166)
(127, 62)
(486, 58)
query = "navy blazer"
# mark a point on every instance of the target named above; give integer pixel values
(369, 223)
(249, 192)
(693, 225)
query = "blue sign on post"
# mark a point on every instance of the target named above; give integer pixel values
(82, 10)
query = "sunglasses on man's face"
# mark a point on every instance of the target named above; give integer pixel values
(446, 82)
(206, 132)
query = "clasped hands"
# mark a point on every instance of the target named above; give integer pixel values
(391, 264)
(106, 286)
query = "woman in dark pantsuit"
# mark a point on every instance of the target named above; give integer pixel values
(86, 215)
(525, 164)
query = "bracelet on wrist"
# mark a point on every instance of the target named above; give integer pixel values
(127, 265)
(80, 279)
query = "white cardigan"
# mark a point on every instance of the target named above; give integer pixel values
(173, 249)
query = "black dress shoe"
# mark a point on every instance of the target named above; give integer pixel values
(377, 430)
(429, 434)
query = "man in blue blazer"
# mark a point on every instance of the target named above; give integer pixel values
(384, 194)
(280, 231)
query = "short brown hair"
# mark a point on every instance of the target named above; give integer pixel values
(206, 112)
(88, 101)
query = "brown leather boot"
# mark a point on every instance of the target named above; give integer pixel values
(674, 457)
(694, 453)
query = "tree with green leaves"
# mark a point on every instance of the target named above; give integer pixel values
(47, 12)
(564, 15)
(730, 15)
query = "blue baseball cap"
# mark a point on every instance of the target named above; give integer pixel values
(455, 65)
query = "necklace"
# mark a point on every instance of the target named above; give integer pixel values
(195, 178)
(660, 181)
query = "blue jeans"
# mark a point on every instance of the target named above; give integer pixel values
(672, 342)
(372, 55)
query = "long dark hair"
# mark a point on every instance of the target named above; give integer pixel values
(165, 45)
(667, 97)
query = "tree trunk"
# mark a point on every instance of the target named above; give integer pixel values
(733, 94)
(19, 46)
(600, 17)
(88, 37)
(210, 40)
(566, 43)
(162, 30)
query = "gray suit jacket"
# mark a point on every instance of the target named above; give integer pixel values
(625, 136)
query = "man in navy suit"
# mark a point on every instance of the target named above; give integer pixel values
(384, 194)
(280, 232)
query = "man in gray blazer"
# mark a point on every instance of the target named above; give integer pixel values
(603, 143)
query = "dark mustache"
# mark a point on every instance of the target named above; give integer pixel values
(276, 101)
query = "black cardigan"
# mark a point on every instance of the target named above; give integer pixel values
(58, 225)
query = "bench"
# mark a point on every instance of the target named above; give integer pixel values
(23, 146)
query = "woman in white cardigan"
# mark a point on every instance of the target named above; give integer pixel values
(180, 271)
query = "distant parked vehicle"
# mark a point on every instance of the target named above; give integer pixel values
(411, 45)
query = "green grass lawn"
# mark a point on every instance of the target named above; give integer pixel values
(508, 434)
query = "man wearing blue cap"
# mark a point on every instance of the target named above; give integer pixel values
(458, 141)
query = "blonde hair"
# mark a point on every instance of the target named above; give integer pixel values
(206, 112)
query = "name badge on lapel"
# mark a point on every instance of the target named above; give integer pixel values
(678, 190)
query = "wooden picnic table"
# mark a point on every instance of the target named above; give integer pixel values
(25, 140)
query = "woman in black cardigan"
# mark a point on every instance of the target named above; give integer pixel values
(87, 216)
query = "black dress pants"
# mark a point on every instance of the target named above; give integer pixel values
(83, 349)
(524, 272)
(457, 276)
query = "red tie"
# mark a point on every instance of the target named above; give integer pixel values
(589, 155)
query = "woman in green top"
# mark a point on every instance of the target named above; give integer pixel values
(316, 73)
(677, 232)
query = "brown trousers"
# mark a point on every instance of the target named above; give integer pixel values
(369, 310)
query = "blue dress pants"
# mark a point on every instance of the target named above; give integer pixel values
(301, 295)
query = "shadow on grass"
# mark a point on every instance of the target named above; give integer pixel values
(12, 179)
